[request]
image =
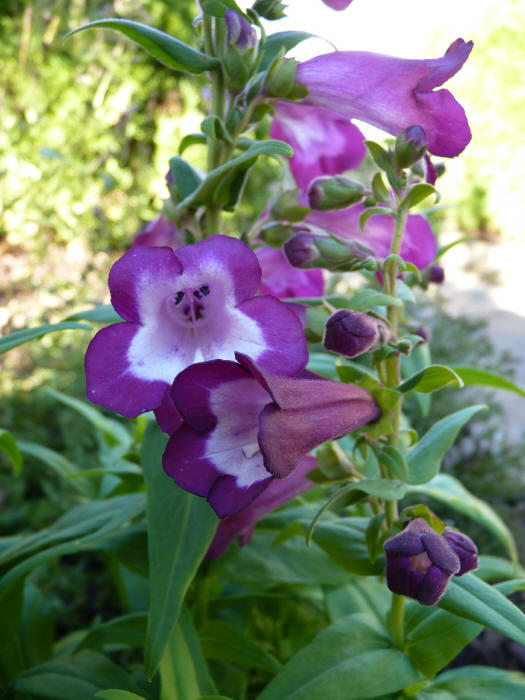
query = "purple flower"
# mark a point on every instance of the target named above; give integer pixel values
(418, 245)
(185, 307)
(244, 427)
(284, 281)
(242, 524)
(324, 143)
(465, 549)
(392, 93)
(337, 4)
(240, 31)
(419, 563)
(159, 232)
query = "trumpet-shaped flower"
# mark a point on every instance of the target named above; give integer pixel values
(392, 93)
(179, 308)
(324, 142)
(244, 427)
(418, 245)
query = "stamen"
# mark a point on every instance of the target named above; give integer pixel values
(178, 298)
(205, 290)
(197, 294)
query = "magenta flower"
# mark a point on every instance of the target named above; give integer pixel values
(337, 4)
(244, 427)
(418, 245)
(159, 232)
(185, 307)
(392, 93)
(242, 524)
(419, 562)
(324, 142)
(282, 280)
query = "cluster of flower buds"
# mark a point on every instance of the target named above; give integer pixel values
(410, 146)
(420, 562)
(307, 249)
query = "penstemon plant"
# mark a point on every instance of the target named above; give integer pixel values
(261, 518)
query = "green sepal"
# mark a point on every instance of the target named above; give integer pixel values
(386, 399)
(214, 127)
(379, 189)
(170, 51)
(420, 510)
(417, 194)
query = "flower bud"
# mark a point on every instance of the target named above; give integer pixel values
(465, 549)
(270, 9)
(419, 563)
(337, 192)
(240, 32)
(351, 333)
(436, 274)
(279, 81)
(307, 249)
(239, 58)
(276, 233)
(410, 146)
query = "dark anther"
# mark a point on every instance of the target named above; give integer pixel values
(205, 290)
(197, 294)
(178, 298)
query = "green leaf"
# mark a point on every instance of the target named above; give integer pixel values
(424, 460)
(344, 541)
(183, 671)
(363, 299)
(11, 340)
(385, 398)
(379, 189)
(472, 376)
(380, 156)
(444, 249)
(180, 529)
(448, 490)
(430, 379)
(497, 568)
(471, 598)
(434, 637)
(316, 317)
(126, 630)
(218, 178)
(322, 363)
(100, 314)
(167, 49)
(261, 566)
(37, 626)
(185, 178)
(476, 683)
(395, 462)
(220, 640)
(217, 8)
(9, 447)
(346, 655)
(275, 43)
(118, 694)
(59, 464)
(417, 194)
(191, 140)
(362, 595)
(79, 677)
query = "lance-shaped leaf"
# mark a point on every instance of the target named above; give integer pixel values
(424, 460)
(476, 683)
(473, 376)
(180, 529)
(11, 340)
(275, 43)
(9, 447)
(431, 379)
(170, 51)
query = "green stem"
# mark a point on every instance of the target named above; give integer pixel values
(218, 102)
(396, 620)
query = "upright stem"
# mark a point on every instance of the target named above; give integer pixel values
(396, 620)
(218, 101)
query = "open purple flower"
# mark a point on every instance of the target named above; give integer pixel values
(392, 93)
(185, 307)
(284, 281)
(419, 562)
(242, 524)
(243, 427)
(418, 245)
(324, 142)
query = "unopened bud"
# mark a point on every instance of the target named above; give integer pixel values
(465, 550)
(327, 192)
(270, 9)
(275, 233)
(351, 333)
(240, 32)
(301, 250)
(411, 145)
(279, 81)
(436, 274)
(307, 250)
